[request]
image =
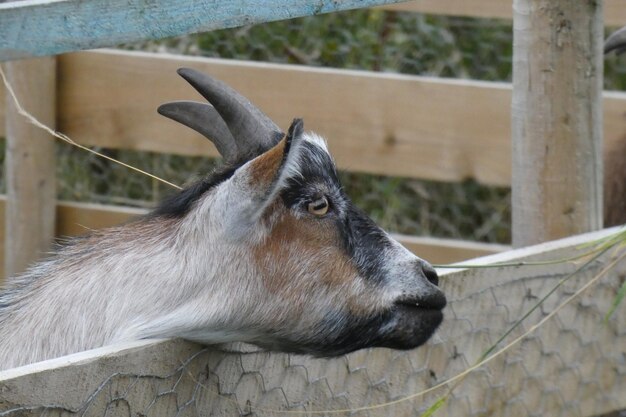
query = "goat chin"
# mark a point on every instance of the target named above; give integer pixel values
(401, 327)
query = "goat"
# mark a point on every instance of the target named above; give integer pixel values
(267, 250)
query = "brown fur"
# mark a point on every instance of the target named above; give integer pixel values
(311, 239)
(264, 169)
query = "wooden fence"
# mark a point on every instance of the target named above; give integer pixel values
(51, 27)
(614, 10)
(570, 366)
(38, 27)
(374, 122)
(390, 124)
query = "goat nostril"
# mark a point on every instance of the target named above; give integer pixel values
(430, 274)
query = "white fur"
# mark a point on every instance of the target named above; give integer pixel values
(192, 277)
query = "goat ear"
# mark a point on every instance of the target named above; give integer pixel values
(270, 170)
(266, 175)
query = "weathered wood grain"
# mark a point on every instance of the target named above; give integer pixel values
(378, 123)
(445, 251)
(30, 164)
(556, 119)
(385, 124)
(45, 27)
(42, 27)
(614, 10)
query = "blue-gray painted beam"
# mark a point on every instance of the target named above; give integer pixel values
(48, 27)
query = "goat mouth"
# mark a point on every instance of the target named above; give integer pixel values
(411, 325)
(404, 326)
(422, 318)
(413, 320)
(436, 303)
(416, 308)
(418, 316)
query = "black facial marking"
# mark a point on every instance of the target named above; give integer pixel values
(353, 334)
(397, 328)
(362, 239)
(179, 204)
(364, 242)
(334, 341)
(318, 173)
(295, 130)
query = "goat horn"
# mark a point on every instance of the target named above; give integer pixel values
(253, 131)
(204, 119)
(617, 42)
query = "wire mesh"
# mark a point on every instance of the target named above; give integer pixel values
(374, 40)
(573, 365)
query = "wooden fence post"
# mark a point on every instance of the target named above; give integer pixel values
(30, 163)
(556, 119)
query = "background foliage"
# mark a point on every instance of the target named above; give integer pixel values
(374, 40)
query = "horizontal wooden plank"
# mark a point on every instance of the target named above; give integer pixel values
(614, 10)
(45, 27)
(75, 219)
(378, 123)
(474, 8)
(444, 251)
(385, 124)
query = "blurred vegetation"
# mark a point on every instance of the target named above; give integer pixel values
(368, 39)
(378, 40)
(372, 39)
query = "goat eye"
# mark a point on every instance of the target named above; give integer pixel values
(318, 207)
